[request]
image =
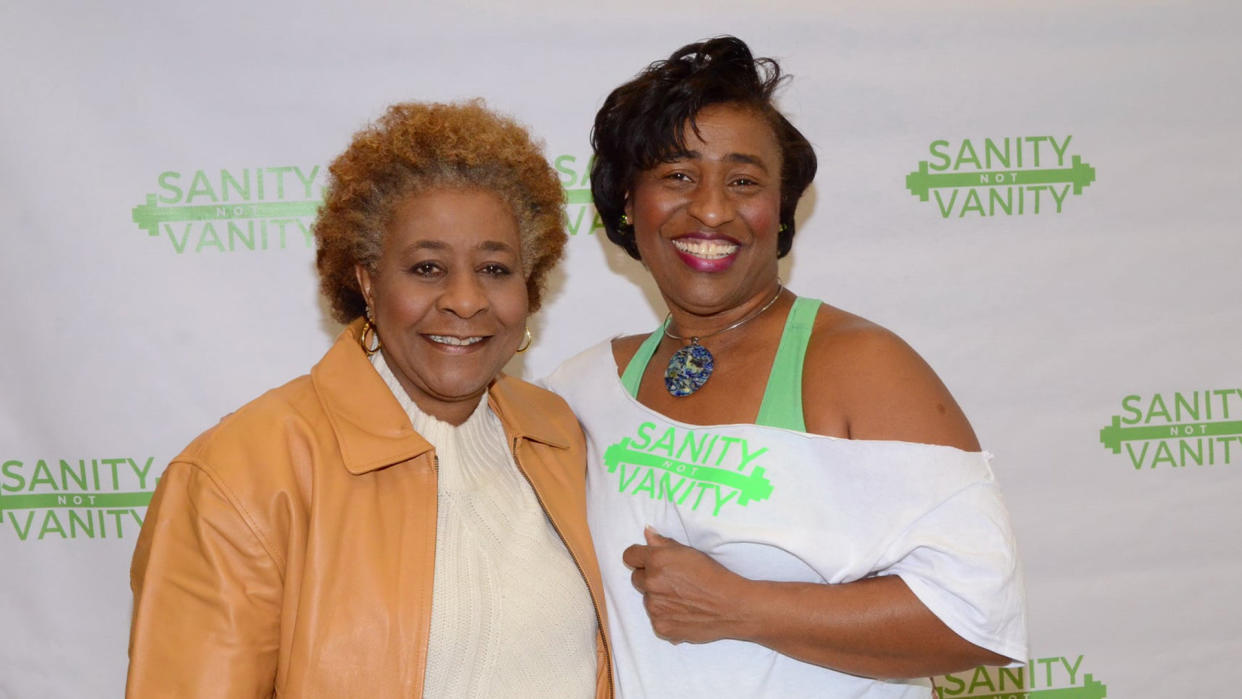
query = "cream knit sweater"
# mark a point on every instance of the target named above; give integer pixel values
(511, 615)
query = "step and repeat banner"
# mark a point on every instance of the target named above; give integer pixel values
(1042, 198)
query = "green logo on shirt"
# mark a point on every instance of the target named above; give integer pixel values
(689, 467)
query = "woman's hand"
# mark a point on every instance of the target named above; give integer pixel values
(688, 596)
(874, 627)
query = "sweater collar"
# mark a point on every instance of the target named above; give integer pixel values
(373, 430)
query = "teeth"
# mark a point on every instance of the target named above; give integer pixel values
(457, 341)
(706, 249)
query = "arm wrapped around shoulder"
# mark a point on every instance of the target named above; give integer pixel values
(207, 596)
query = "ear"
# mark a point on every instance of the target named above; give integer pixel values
(364, 284)
(629, 206)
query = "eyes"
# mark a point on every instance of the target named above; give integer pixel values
(680, 177)
(432, 270)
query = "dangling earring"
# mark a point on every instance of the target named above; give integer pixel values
(368, 326)
(624, 222)
(526, 342)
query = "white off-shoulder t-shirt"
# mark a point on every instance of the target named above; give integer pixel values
(776, 504)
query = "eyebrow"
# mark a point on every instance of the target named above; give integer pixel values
(742, 158)
(487, 245)
(495, 246)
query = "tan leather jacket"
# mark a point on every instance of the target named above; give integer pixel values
(289, 550)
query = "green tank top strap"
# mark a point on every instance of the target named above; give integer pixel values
(782, 398)
(632, 377)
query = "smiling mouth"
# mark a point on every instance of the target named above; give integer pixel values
(705, 249)
(455, 341)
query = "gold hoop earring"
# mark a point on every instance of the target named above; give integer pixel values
(368, 328)
(526, 342)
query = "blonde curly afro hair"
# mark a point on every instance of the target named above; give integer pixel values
(417, 147)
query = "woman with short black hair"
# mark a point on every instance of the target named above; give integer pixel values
(785, 499)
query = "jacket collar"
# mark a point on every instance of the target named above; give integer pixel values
(373, 430)
(530, 412)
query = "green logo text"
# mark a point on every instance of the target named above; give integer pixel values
(688, 467)
(575, 174)
(265, 208)
(1199, 428)
(1041, 678)
(72, 499)
(1005, 176)
(272, 208)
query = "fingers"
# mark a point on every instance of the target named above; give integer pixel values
(660, 625)
(654, 538)
(638, 578)
(636, 556)
(646, 562)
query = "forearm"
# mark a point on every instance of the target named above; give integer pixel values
(874, 627)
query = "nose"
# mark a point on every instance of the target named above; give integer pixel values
(710, 204)
(463, 295)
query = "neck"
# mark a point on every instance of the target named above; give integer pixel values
(453, 410)
(687, 323)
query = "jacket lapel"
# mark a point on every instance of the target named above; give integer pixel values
(370, 426)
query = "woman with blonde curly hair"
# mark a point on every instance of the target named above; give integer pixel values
(405, 520)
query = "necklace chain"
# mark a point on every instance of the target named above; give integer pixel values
(695, 339)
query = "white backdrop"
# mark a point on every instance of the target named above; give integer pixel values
(153, 284)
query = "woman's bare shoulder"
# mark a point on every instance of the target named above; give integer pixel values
(871, 381)
(624, 349)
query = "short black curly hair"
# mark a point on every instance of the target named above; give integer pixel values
(416, 147)
(643, 123)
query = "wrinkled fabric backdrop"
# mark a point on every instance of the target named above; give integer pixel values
(1039, 197)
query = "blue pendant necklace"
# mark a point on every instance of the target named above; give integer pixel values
(691, 366)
